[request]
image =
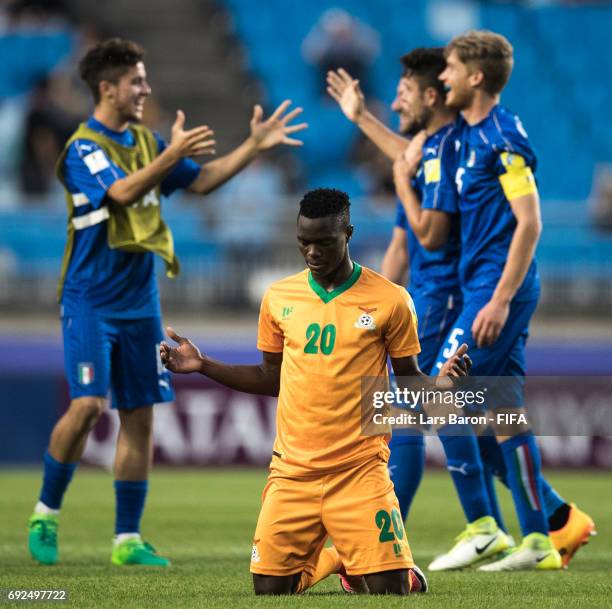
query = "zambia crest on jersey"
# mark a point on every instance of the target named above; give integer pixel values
(365, 320)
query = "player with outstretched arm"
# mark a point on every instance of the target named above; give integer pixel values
(425, 242)
(114, 171)
(327, 479)
(500, 226)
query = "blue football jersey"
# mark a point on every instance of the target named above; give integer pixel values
(437, 271)
(110, 282)
(496, 165)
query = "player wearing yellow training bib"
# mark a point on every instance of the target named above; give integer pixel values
(321, 332)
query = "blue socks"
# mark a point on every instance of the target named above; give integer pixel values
(489, 480)
(493, 460)
(464, 463)
(130, 496)
(494, 466)
(406, 465)
(524, 475)
(130, 500)
(56, 478)
(551, 499)
(492, 456)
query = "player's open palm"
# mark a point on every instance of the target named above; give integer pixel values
(191, 142)
(457, 365)
(276, 129)
(182, 359)
(346, 91)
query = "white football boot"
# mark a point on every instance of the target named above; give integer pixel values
(481, 539)
(537, 552)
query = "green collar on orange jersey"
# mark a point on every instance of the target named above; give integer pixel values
(326, 296)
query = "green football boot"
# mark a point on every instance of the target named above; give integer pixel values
(42, 539)
(536, 552)
(137, 552)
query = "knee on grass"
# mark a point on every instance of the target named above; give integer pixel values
(388, 582)
(274, 584)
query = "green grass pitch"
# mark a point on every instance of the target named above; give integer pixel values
(204, 519)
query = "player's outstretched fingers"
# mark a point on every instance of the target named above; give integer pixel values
(291, 115)
(277, 113)
(456, 371)
(179, 122)
(348, 79)
(207, 147)
(257, 114)
(333, 93)
(164, 352)
(198, 133)
(336, 81)
(294, 128)
(174, 336)
(289, 141)
(462, 350)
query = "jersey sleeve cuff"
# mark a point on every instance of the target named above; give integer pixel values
(405, 352)
(270, 348)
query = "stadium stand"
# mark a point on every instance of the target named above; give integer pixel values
(238, 53)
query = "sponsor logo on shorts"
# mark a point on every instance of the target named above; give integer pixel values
(255, 554)
(86, 373)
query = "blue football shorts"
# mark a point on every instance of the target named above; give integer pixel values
(504, 358)
(103, 354)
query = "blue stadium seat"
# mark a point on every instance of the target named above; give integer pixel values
(553, 69)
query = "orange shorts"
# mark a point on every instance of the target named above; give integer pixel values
(356, 507)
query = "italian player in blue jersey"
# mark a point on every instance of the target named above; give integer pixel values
(426, 239)
(500, 227)
(114, 172)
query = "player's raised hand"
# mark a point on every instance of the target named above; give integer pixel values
(192, 142)
(182, 359)
(457, 365)
(276, 129)
(407, 165)
(347, 92)
(489, 323)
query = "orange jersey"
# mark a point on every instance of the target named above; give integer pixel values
(330, 341)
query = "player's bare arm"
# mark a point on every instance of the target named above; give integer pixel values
(342, 87)
(274, 131)
(395, 261)
(492, 317)
(431, 227)
(262, 379)
(184, 143)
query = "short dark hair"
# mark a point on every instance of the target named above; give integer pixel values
(323, 202)
(486, 51)
(425, 65)
(109, 60)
